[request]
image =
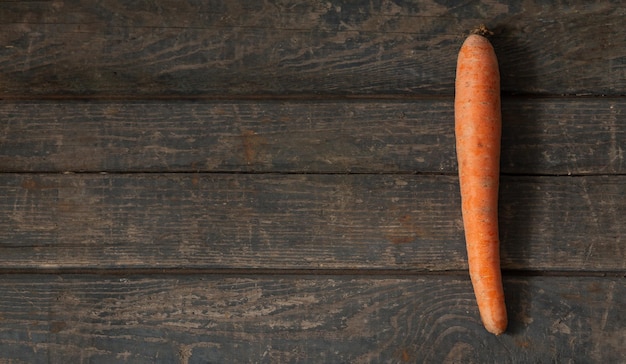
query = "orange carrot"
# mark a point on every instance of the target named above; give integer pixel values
(478, 125)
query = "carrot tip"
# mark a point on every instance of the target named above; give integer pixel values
(482, 30)
(496, 328)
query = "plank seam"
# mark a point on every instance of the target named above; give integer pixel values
(299, 272)
(294, 97)
(291, 173)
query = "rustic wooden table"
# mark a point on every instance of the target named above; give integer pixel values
(275, 182)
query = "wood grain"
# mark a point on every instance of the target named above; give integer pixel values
(275, 182)
(277, 221)
(306, 47)
(540, 136)
(185, 319)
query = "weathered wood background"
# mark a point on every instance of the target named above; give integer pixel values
(275, 182)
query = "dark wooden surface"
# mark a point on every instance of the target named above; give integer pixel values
(541, 136)
(346, 221)
(285, 47)
(306, 318)
(275, 182)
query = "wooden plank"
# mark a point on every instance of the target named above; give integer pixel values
(305, 47)
(288, 319)
(540, 136)
(239, 221)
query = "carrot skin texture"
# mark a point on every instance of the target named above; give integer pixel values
(478, 128)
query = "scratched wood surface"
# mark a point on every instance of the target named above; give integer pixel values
(540, 136)
(320, 221)
(242, 47)
(275, 182)
(289, 319)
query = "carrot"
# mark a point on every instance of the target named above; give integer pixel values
(478, 125)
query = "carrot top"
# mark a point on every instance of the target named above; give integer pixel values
(482, 30)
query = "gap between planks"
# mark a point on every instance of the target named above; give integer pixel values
(382, 273)
(292, 173)
(291, 97)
